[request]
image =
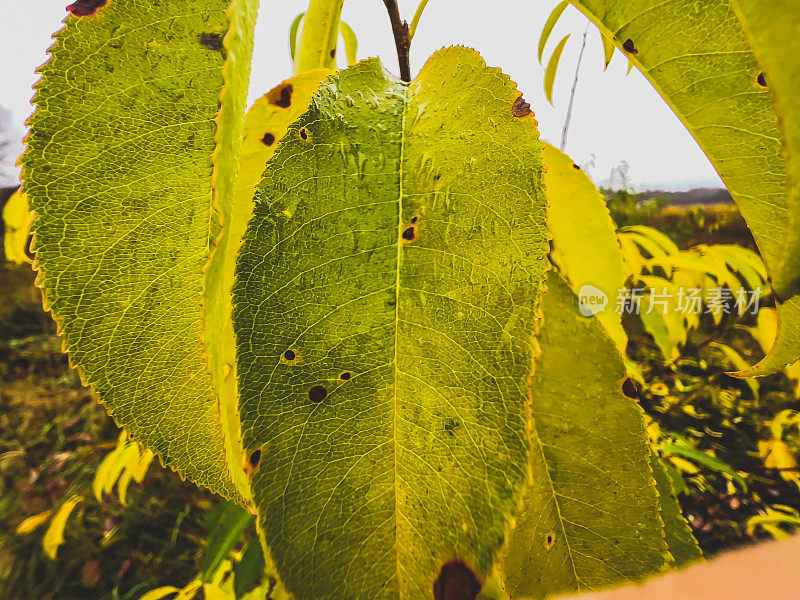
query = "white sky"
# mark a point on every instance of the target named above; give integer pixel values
(615, 117)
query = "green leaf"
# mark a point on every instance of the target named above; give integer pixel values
(221, 540)
(579, 220)
(293, 31)
(54, 536)
(250, 569)
(704, 65)
(350, 43)
(555, 15)
(384, 307)
(319, 36)
(552, 67)
(590, 517)
(705, 459)
(680, 540)
(128, 154)
(772, 28)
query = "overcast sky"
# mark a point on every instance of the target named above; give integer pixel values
(615, 117)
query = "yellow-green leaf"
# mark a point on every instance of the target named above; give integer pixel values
(54, 536)
(384, 307)
(552, 68)
(350, 43)
(608, 49)
(704, 65)
(16, 220)
(33, 522)
(159, 593)
(128, 158)
(585, 248)
(590, 517)
(552, 19)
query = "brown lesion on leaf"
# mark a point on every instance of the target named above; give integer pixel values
(549, 540)
(281, 95)
(575, 166)
(761, 80)
(212, 41)
(268, 139)
(303, 133)
(630, 47)
(409, 234)
(333, 53)
(630, 389)
(86, 8)
(414, 219)
(317, 393)
(520, 108)
(456, 581)
(290, 355)
(345, 376)
(252, 462)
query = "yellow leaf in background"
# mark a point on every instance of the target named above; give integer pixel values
(16, 218)
(33, 522)
(159, 593)
(54, 536)
(214, 592)
(189, 590)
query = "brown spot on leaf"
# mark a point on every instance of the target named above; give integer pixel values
(333, 53)
(414, 220)
(520, 108)
(345, 376)
(317, 393)
(549, 540)
(268, 139)
(409, 234)
(303, 133)
(456, 581)
(630, 389)
(761, 80)
(629, 46)
(574, 166)
(281, 95)
(212, 41)
(289, 355)
(252, 462)
(85, 8)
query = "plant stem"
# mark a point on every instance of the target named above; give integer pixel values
(319, 36)
(415, 21)
(401, 38)
(572, 94)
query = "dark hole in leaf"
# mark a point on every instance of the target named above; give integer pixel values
(268, 139)
(345, 376)
(761, 80)
(289, 355)
(212, 41)
(84, 8)
(456, 581)
(414, 219)
(333, 52)
(574, 166)
(317, 393)
(255, 459)
(304, 133)
(629, 46)
(520, 108)
(630, 389)
(409, 234)
(281, 96)
(549, 540)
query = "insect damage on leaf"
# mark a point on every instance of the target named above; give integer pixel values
(630, 389)
(456, 581)
(85, 8)
(317, 393)
(520, 108)
(304, 134)
(281, 96)
(212, 41)
(629, 46)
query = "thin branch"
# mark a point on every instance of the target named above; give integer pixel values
(401, 41)
(572, 94)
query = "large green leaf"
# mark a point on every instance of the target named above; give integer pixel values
(384, 307)
(119, 170)
(590, 518)
(704, 66)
